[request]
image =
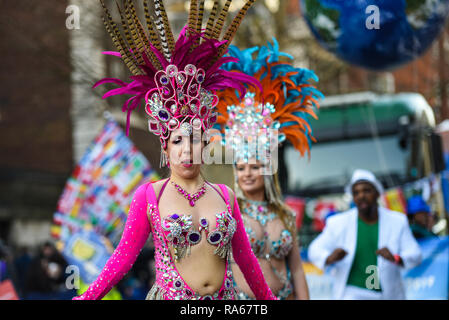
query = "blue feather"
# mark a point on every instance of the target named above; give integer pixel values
(252, 60)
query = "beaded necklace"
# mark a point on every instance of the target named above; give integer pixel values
(192, 198)
(258, 210)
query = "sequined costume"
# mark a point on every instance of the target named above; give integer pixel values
(255, 126)
(169, 283)
(255, 218)
(177, 80)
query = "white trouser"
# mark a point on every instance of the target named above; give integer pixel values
(356, 293)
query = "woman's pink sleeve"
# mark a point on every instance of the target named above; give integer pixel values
(247, 261)
(135, 234)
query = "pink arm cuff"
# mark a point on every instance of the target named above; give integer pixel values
(135, 234)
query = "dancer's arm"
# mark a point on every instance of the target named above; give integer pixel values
(247, 261)
(298, 274)
(135, 234)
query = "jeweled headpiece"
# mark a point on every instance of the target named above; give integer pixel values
(248, 128)
(176, 80)
(283, 105)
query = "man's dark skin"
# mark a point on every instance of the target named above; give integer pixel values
(365, 197)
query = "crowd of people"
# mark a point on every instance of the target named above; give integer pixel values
(34, 272)
(421, 218)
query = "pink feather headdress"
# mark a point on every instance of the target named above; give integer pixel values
(177, 81)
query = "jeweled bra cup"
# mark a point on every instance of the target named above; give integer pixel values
(278, 249)
(281, 248)
(257, 245)
(169, 283)
(142, 219)
(179, 231)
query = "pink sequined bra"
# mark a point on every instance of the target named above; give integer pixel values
(178, 231)
(169, 283)
(181, 234)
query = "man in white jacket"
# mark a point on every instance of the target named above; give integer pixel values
(367, 246)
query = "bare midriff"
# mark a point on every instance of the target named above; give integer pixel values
(267, 269)
(202, 270)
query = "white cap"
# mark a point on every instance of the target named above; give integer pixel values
(360, 175)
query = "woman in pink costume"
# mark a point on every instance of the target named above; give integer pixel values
(195, 224)
(253, 127)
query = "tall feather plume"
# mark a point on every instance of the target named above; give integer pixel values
(159, 24)
(290, 90)
(154, 38)
(168, 30)
(153, 58)
(163, 26)
(199, 21)
(117, 38)
(128, 37)
(230, 33)
(211, 20)
(142, 36)
(193, 15)
(221, 19)
(137, 42)
(192, 22)
(147, 51)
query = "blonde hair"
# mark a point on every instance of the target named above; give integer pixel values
(285, 213)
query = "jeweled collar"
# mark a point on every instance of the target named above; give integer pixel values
(258, 210)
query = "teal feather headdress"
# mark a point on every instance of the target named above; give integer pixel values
(285, 102)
